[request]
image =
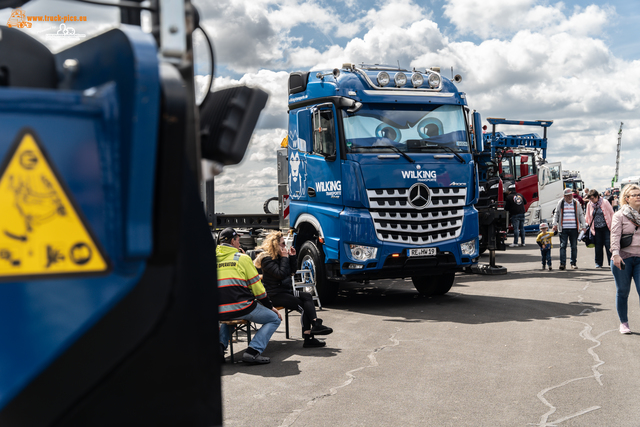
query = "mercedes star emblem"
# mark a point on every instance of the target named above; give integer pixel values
(419, 195)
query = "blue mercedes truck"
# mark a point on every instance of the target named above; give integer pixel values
(382, 180)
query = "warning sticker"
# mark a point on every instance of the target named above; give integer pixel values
(42, 232)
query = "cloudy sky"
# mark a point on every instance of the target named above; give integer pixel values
(574, 62)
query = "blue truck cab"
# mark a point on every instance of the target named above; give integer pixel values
(382, 178)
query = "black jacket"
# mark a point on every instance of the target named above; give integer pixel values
(276, 274)
(515, 203)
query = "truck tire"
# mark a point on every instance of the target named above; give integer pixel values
(265, 206)
(311, 258)
(434, 285)
(444, 282)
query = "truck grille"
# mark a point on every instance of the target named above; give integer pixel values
(395, 220)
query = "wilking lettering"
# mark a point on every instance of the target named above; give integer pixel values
(328, 186)
(419, 175)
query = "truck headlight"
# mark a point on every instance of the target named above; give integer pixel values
(383, 78)
(400, 79)
(468, 248)
(434, 80)
(363, 253)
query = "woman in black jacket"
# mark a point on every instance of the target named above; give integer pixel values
(278, 265)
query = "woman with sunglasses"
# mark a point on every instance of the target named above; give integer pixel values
(599, 215)
(278, 264)
(625, 264)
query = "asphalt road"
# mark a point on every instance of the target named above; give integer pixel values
(530, 348)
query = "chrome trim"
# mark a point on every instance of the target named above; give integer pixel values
(407, 92)
(389, 156)
(404, 224)
(305, 217)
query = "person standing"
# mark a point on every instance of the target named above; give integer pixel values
(568, 219)
(615, 204)
(239, 290)
(515, 204)
(544, 241)
(599, 215)
(625, 263)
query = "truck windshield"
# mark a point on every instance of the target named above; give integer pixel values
(409, 128)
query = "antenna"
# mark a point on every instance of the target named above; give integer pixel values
(398, 64)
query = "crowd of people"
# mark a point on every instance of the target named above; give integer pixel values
(611, 225)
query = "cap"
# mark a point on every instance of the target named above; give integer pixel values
(568, 191)
(544, 225)
(512, 187)
(228, 234)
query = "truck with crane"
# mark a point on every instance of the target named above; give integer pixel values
(521, 160)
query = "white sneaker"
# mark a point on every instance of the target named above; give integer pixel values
(522, 244)
(513, 245)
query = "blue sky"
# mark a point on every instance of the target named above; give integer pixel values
(574, 62)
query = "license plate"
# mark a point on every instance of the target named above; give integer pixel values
(422, 252)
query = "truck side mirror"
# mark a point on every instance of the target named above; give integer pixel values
(477, 132)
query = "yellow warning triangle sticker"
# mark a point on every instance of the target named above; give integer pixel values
(42, 232)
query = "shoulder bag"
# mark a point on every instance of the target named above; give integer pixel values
(589, 239)
(626, 239)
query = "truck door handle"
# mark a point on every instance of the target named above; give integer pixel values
(311, 191)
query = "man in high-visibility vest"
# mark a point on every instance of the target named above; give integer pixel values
(239, 290)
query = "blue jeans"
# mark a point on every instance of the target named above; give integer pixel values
(546, 257)
(623, 284)
(602, 240)
(262, 315)
(518, 228)
(570, 235)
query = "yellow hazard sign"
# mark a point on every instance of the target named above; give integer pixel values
(42, 232)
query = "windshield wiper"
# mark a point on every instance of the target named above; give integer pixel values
(396, 149)
(418, 144)
(452, 151)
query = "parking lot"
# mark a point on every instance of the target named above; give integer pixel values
(531, 347)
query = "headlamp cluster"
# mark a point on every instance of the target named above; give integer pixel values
(400, 79)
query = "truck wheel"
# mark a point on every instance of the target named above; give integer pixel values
(266, 207)
(444, 283)
(310, 258)
(434, 285)
(426, 285)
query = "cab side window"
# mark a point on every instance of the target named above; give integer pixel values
(324, 140)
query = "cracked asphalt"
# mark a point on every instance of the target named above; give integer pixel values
(530, 348)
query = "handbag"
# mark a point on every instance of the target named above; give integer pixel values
(626, 239)
(589, 239)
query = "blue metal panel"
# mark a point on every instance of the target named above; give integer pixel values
(84, 130)
(354, 192)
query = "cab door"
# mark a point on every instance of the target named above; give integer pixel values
(324, 178)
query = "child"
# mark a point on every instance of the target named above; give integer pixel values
(544, 241)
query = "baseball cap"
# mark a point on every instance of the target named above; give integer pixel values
(228, 234)
(544, 225)
(512, 187)
(567, 191)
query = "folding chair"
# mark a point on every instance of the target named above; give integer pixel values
(238, 325)
(303, 280)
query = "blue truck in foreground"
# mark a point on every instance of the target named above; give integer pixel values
(382, 180)
(378, 179)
